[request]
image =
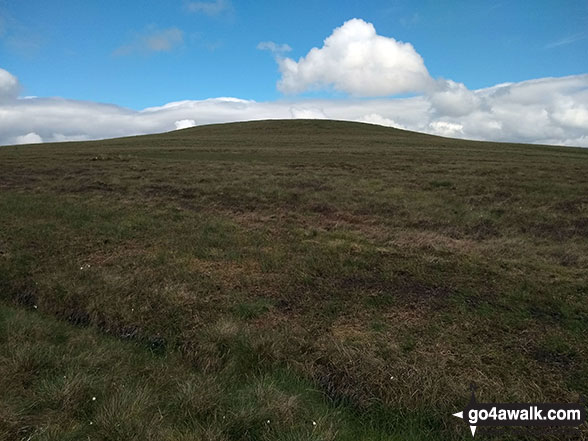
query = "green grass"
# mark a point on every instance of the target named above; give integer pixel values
(353, 275)
(61, 382)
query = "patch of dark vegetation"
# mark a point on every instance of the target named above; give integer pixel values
(543, 312)
(252, 309)
(571, 206)
(334, 380)
(78, 317)
(97, 186)
(441, 184)
(105, 157)
(157, 344)
(558, 230)
(18, 182)
(484, 229)
(321, 207)
(555, 352)
(26, 294)
(409, 290)
(169, 191)
(17, 283)
(580, 226)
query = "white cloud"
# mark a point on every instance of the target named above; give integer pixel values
(164, 40)
(444, 128)
(154, 40)
(212, 8)
(60, 137)
(544, 111)
(29, 138)
(356, 60)
(274, 48)
(184, 124)
(377, 119)
(9, 86)
(572, 114)
(453, 99)
(307, 113)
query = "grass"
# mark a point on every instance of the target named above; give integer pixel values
(294, 271)
(65, 383)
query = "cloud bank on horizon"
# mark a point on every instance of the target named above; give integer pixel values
(355, 60)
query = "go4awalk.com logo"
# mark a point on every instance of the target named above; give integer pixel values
(541, 415)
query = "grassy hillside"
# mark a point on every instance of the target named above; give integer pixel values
(339, 280)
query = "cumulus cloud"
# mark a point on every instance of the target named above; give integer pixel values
(153, 40)
(210, 8)
(29, 138)
(9, 86)
(356, 60)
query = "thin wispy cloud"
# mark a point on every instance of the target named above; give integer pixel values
(274, 48)
(567, 40)
(18, 38)
(212, 8)
(165, 40)
(411, 21)
(25, 45)
(154, 40)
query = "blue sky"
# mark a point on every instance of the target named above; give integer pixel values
(136, 54)
(68, 48)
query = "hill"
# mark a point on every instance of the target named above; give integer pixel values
(287, 280)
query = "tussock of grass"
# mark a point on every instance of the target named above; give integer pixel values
(278, 267)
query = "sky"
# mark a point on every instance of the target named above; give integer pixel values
(478, 69)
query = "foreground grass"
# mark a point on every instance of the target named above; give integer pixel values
(385, 270)
(63, 383)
